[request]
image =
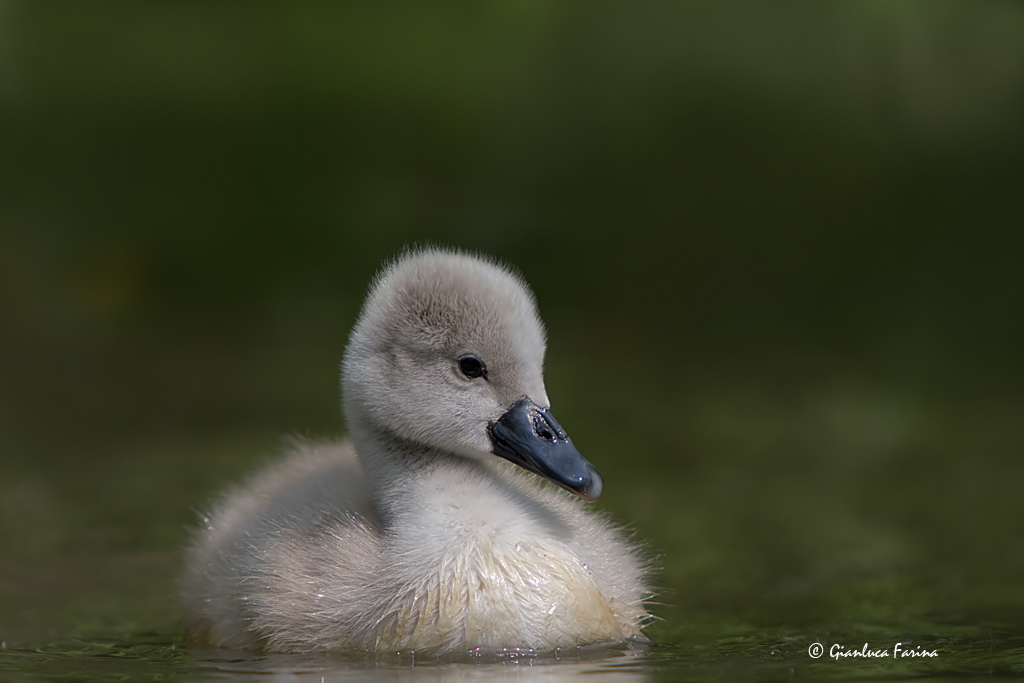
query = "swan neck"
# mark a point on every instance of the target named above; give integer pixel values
(396, 468)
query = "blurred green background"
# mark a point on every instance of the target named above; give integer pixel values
(778, 248)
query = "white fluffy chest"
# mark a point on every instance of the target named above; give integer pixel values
(490, 596)
(467, 576)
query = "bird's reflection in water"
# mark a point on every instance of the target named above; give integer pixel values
(598, 663)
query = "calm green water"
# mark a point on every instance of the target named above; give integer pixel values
(777, 248)
(754, 567)
(959, 651)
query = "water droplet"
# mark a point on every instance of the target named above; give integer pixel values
(519, 546)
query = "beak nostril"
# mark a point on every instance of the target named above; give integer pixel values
(542, 429)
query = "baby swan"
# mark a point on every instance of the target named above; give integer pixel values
(427, 531)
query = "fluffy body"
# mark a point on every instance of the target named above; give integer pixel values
(424, 540)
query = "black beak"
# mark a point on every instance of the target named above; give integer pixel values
(531, 437)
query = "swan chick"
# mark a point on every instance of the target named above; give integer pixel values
(435, 527)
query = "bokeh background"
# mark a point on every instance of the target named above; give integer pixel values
(778, 248)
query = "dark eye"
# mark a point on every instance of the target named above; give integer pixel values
(472, 367)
